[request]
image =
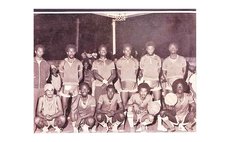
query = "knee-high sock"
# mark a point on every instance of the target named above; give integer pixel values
(130, 119)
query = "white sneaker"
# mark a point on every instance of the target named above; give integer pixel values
(58, 130)
(45, 129)
(160, 127)
(181, 127)
(75, 129)
(114, 129)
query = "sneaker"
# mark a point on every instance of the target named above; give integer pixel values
(160, 127)
(45, 130)
(57, 130)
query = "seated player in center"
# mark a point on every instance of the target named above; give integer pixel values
(108, 116)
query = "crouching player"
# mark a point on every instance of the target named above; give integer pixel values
(49, 111)
(180, 114)
(83, 109)
(108, 116)
(138, 108)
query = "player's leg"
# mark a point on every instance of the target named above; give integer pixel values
(168, 118)
(146, 120)
(88, 123)
(101, 119)
(190, 121)
(132, 118)
(59, 123)
(41, 124)
(117, 119)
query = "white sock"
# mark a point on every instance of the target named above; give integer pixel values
(130, 119)
(85, 128)
(57, 129)
(103, 124)
(45, 129)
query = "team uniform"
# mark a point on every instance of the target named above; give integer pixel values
(174, 68)
(180, 113)
(128, 69)
(104, 68)
(150, 66)
(110, 105)
(49, 107)
(70, 76)
(82, 108)
(135, 117)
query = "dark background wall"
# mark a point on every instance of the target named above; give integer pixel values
(57, 30)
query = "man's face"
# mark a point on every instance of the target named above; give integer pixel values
(39, 52)
(49, 93)
(179, 88)
(102, 51)
(127, 51)
(143, 93)
(173, 49)
(71, 52)
(84, 90)
(110, 93)
(150, 50)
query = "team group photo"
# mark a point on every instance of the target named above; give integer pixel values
(118, 71)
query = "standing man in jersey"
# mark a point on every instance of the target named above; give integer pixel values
(104, 72)
(41, 73)
(150, 65)
(71, 72)
(174, 67)
(127, 68)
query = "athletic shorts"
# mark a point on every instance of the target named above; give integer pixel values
(154, 85)
(67, 89)
(128, 86)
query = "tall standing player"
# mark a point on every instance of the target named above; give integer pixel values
(71, 72)
(127, 68)
(174, 67)
(104, 72)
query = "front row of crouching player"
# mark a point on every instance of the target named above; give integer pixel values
(177, 110)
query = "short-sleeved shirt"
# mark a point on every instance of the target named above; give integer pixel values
(109, 105)
(136, 99)
(150, 66)
(127, 68)
(182, 107)
(174, 67)
(70, 71)
(104, 69)
(85, 107)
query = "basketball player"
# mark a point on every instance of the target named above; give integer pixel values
(71, 73)
(49, 111)
(137, 108)
(83, 109)
(127, 68)
(183, 113)
(108, 115)
(104, 72)
(174, 67)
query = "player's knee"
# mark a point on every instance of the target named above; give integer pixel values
(190, 117)
(90, 121)
(62, 119)
(37, 120)
(121, 117)
(100, 117)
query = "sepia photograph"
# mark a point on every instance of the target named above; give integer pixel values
(114, 70)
